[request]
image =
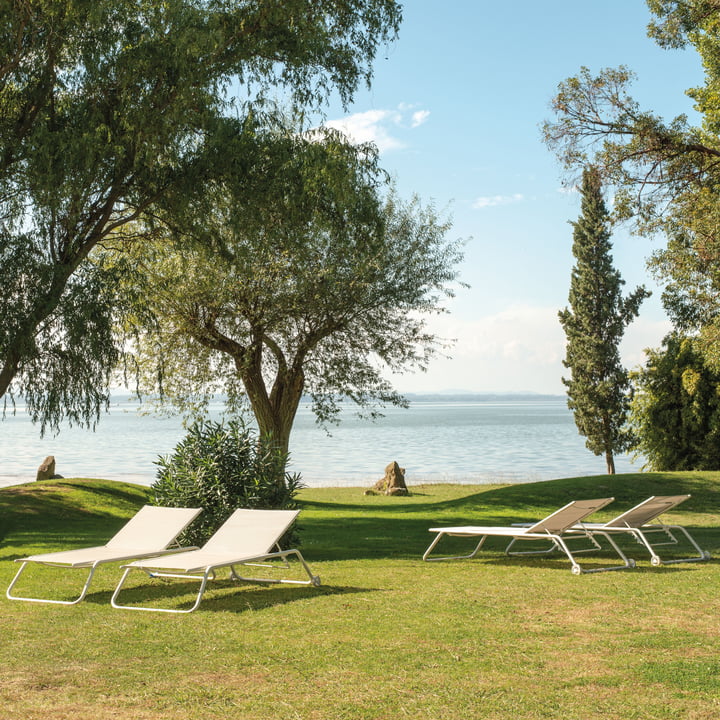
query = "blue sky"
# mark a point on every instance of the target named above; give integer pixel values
(456, 108)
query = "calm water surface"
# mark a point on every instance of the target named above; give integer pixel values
(465, 442)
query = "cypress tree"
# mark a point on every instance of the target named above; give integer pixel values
(594, 324)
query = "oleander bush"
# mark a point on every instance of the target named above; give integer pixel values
(221, 466)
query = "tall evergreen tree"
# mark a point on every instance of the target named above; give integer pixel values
(594, 326)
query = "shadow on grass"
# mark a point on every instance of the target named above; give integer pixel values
(242, 598)
(42, 512)
(628, 489)
(599, 560)
(75, 513)
(398, 527)
(407, 537)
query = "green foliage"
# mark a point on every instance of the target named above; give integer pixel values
(676, 408)
(106, 108)
(66, 364)
(221, 467)
(594, 325)
(318, 287)
(666, 173)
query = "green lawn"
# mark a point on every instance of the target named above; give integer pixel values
(386, 635)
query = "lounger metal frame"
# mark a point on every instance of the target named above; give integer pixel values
(207, 572)
(552, 529)
(92, 566)
(640, 534)
(106, 552)
(635, 522)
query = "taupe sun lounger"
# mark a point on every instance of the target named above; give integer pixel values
(555, 529)
(635, 522)
(247, 537)
(148, 533)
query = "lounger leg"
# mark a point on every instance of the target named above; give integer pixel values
(576, 568)
(283, 555)
(628, 562)
(451, 557)
(10, 596)
(640, 537)
(655, 559)
(702, 554)
(198, 599)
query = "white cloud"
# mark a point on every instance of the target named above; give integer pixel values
(370, 126)
(520, 348)
(494, 200)
(419, 117)
(640, 335)
(380, 127)
(568, 189)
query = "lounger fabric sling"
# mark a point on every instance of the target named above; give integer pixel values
(555, 529)
(148, 533)
(635, 522)
(247, 537)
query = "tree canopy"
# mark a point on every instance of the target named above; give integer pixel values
(108, 106)
(676, 408)
(598, 387)
(330, 283)
(665, 173)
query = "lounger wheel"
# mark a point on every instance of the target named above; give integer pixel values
(316, 580)
(655, 561)
(576, 570)
(705, 555)
(631, 563)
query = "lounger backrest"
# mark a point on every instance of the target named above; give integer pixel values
(251, 532)
(153, 528)
(567, 516)
(647, 510)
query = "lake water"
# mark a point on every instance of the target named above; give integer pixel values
(435, 441)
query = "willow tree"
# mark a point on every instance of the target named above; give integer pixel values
(106, 106)
(320, 293)
(595, 322)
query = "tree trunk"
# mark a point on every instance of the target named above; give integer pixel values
(610, 462)
(275, 412)
(8, 370)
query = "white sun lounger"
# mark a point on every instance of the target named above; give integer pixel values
(247, 537)
(148, 533)
(555, 528)
(635, 522)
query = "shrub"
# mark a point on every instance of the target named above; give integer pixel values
(221, 467)
(676, 408)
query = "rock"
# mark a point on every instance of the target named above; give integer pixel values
(394, 481)
(46, 471)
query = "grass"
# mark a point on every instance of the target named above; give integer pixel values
(386, 635)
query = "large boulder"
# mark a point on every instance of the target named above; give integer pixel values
(393, 483)
(46, 471)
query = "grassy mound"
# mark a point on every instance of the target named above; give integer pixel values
(386, 635)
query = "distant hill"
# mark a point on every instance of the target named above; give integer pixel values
(124, 395)
(479, 397)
